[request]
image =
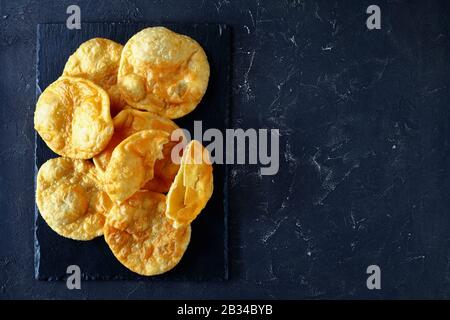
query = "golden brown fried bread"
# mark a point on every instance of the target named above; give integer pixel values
(142, 238)
(193, 185)
(132, 163)
(163, 72)
(130, 121)
(70, 199)
(98, 60)
(72, 116)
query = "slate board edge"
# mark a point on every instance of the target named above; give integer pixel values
(37, 251)
(226, 190)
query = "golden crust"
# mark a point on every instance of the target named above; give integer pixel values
(98, 61)
(163, 72)
(130, 121)
(132, 163)
(142, 238)
(72, 116)
(70, 199)
(165, 171)
(193, 185)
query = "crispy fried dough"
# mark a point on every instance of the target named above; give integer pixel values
(130, 121)
(163, 72)
(72, 116)
(193, 185)
(142, 238)
(70, 199)
(132, 163)
(98, 60)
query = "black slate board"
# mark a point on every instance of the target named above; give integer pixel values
(207, 255)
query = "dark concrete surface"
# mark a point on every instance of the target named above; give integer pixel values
(364, 122)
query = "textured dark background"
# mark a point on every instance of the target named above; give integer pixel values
(364, 175)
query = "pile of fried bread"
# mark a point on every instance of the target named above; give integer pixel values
(126, 170)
